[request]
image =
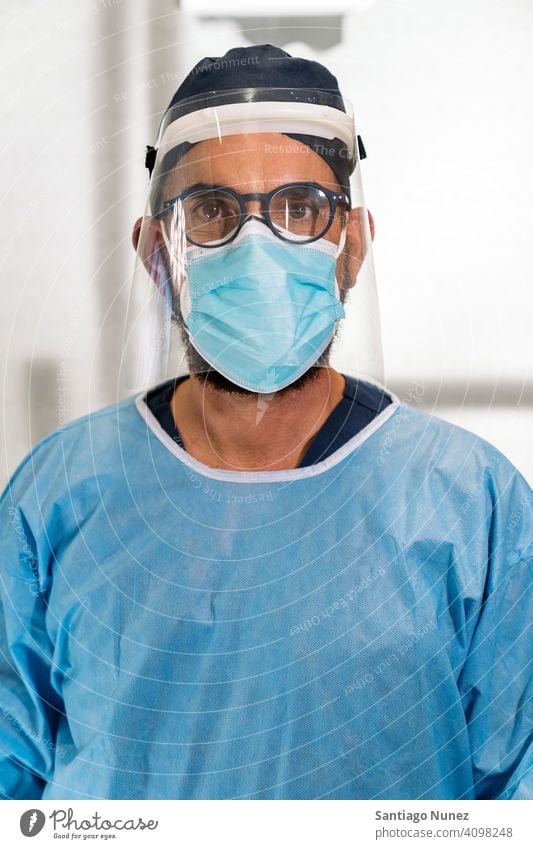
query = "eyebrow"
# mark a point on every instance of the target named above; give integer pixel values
(200, 186)
(208, 186)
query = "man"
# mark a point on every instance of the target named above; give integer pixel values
(264, 578)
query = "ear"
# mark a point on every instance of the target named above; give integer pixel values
(149, 244)
(372, 225)
(136, 233)
(356, 246)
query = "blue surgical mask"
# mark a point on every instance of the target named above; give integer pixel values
(259, 310)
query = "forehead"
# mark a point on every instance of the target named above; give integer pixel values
(250, 162)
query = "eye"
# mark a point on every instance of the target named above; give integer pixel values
(298, 209)
(209, 210)
(210, 215)
(206, 207)
(298, 205)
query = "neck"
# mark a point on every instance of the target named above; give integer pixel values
(253, 432)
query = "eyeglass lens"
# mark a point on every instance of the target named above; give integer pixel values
(299, 213)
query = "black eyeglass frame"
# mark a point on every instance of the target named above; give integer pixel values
(334, 199)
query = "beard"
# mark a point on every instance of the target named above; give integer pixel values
(213, 379)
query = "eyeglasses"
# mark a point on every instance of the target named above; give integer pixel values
(295, 212)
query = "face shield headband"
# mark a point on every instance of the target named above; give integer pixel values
(320, 120)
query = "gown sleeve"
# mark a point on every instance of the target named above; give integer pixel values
(496, 679)
(29, 706)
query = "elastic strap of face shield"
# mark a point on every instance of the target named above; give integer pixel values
(150, 158)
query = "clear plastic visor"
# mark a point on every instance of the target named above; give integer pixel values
(254, 259)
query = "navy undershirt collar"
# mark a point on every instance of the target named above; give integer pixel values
(360, 403)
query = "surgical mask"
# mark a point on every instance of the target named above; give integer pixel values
(259, 310)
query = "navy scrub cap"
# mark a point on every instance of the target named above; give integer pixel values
(269, 67)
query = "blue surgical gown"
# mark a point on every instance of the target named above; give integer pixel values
(355, 629)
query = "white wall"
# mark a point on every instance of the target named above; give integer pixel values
(442, 97)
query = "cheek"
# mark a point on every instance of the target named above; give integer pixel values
(356, 242)
(348, 267)
(354, 253)
(344, 276)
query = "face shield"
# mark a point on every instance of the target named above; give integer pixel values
(254, 261)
